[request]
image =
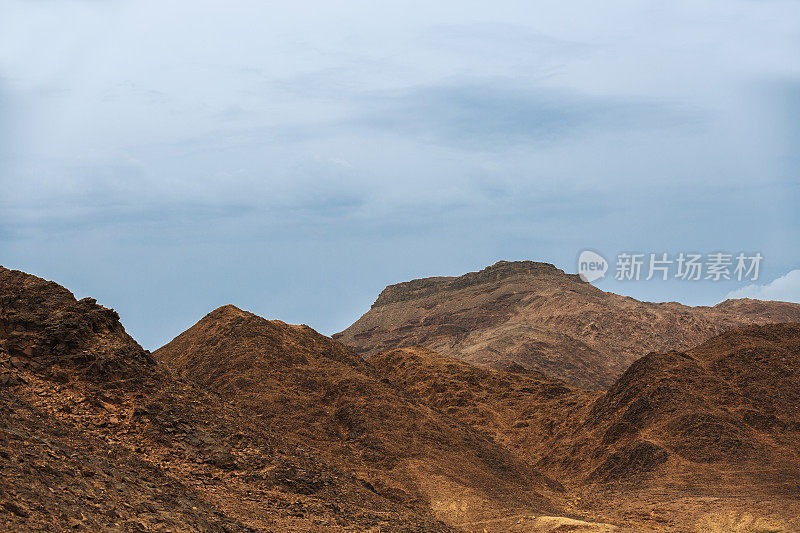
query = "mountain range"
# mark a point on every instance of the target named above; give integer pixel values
(517, 398)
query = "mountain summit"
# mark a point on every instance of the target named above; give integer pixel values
(535, 315)
(322, 395)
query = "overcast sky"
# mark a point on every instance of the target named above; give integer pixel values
(170, 157)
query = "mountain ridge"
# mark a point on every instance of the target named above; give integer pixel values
(246, 424)
(719, 422)
(97, 435)
(535, 315)
(309, 386)
(409, 290)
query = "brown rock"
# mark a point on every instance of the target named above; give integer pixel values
(15, 508)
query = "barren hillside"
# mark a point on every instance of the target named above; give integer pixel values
(534, 315)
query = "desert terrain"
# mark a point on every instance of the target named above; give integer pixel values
(518, 398)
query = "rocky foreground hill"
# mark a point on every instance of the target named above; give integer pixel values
(95, 435)
(307, 385)
(247, 424)
(536, 316)
(702, 440)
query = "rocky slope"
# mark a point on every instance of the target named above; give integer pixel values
(95, 435)
(536, 316)
(507, 405)
(303, 384)
(697, 439)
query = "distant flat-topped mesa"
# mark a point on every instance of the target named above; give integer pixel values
(535, 315)
(418, 288)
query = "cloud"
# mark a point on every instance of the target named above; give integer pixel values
(786, 289)
(295, 165)
(497, 113)
(9, 126)
(782, 99)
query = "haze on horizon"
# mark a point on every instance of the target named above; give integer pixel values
(293, 160)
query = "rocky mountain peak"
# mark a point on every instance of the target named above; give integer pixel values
(533, 314)
(502, 270)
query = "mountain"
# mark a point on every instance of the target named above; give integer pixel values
(96, 435)
(243, 424)
(536, 316)
(707, 437)
(308, 386)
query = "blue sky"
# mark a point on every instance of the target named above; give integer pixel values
(293, 160)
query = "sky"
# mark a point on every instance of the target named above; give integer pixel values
(167, 158)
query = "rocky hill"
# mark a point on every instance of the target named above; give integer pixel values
(536, 316)
(300, 383)
(707, 436)
(95, 435)
(506, 405)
